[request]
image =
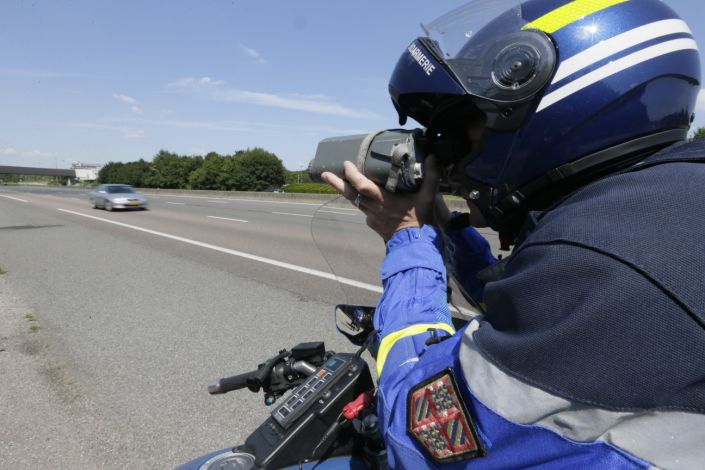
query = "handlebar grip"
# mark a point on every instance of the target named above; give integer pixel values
(261, 375)
(252, 380)
(228, 384)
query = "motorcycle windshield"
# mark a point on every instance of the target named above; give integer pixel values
(352, 251)
(354, 254)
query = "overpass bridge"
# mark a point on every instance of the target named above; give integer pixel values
(35, 171)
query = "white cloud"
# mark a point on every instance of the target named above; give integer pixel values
(92, 125)
(35, 153)
(700, 105)
(32, 73)
(124, 98)
(208, 125)
(311, 103)
(317, 96)
(254, 54)
(133, 134)
(196, 83)
(123, 124)
(134, 104)
(13, 152)
(127, 129)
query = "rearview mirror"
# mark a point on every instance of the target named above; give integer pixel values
(354, 322)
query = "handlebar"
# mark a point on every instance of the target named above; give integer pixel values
(228, 384)
(252, 380)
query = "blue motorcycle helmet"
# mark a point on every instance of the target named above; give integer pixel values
(568, 91)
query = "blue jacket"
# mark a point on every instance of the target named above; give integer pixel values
(591, 353)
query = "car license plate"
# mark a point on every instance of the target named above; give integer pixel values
(133, 203)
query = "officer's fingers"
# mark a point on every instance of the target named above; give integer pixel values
(340, 185)
(333, 180)
(361, 183)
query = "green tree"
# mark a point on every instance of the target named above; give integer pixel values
(698, 133)
(256, 169)
(210, 175)
(296, 177)
(10, 178)
(110, 173)
(136, 173)
(172, 171)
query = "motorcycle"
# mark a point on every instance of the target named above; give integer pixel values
(324, 403)
(327, 417)
(327, 421)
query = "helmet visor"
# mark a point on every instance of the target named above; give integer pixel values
(485, 45)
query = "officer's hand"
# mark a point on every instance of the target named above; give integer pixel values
(388, 212)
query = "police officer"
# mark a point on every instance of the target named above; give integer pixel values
(569, 123)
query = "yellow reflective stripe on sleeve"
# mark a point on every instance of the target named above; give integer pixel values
(569, 13)
(388, 341)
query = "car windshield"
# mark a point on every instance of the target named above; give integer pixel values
(120, 189)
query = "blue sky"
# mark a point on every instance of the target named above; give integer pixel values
(98, 81)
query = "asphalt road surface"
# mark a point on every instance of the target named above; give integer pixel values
(142, 309)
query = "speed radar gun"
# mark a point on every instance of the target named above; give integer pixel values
(392, 158)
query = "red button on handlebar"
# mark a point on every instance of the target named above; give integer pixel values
(352, 409)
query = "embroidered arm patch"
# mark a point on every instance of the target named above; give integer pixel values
(439, 420)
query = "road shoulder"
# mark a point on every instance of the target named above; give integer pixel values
(45, 416)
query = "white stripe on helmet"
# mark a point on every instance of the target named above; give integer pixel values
(619, 43)
(614, 67)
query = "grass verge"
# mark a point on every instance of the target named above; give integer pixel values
(33, 327)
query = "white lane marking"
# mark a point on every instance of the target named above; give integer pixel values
(176, 203)
(225, 218)
(334, 212)
(289, 213)
(13, 198)
(273, 262)
(319, 204)
(219, 202)
(353, 209)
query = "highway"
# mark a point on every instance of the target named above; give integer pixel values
(144, 308)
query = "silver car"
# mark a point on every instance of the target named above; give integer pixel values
(117, 196)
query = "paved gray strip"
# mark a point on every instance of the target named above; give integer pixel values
(268, 201)
(225, 218)
(13, 198)
(335, 212)
(289, 213)
(40, 404)
(281, 264)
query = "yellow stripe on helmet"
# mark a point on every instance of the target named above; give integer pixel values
(388, 341)
(569, 13)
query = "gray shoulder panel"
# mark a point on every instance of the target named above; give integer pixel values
(666, 439)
